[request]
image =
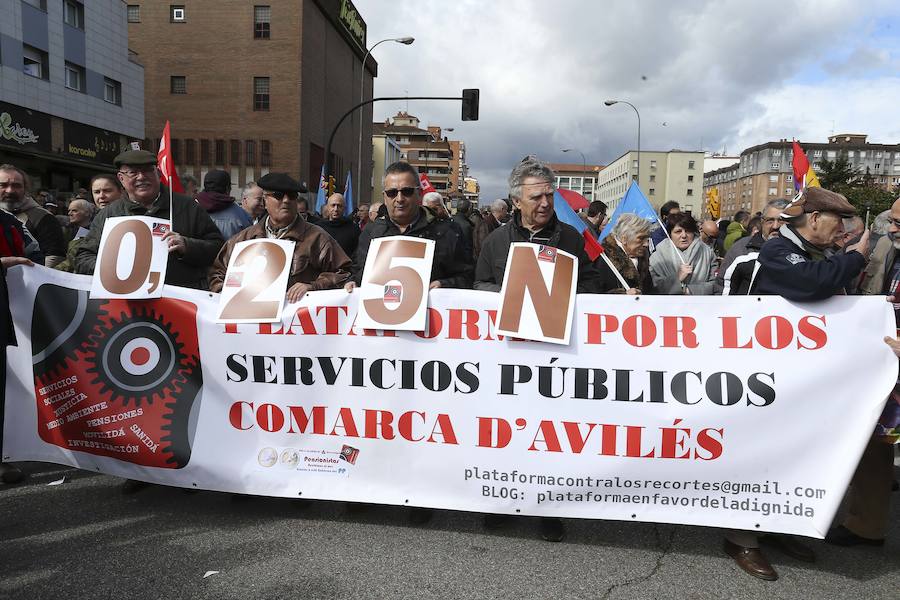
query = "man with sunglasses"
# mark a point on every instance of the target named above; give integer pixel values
(452, 265)
(318, 263)
(737, 267)
(194, 240)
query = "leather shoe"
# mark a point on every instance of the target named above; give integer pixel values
(789, 546)
(552, 529)
(841, 536)
(751, 560)
(10, 474)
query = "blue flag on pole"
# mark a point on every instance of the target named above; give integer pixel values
(348, 195)
(320, 195)
(634, 202)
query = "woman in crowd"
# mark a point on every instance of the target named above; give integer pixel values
(105, 189)
(683, 264)
(627, 248)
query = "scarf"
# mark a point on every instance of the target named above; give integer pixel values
(664, 264)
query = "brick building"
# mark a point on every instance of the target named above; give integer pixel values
(252, 88)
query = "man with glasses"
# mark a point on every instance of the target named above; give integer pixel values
(452, 265)
(194, 240)
(740, 260)
(318, 263)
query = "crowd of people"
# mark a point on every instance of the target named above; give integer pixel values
(805, 249)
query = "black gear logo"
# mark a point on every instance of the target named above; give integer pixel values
(62, 320)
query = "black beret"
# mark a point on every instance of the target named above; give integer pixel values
(279, 182)
(135, 157)
(217, 180)
(816, 199)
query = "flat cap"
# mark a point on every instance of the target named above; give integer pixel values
(816, 199)
(279, 182)
(135, 157)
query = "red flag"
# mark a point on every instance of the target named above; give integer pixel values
(167, 164)
(425, 184)
(800, 165)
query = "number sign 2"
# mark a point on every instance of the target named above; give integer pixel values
(394, 289)
(132, 259)
(256, 282)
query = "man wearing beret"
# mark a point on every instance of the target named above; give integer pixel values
(194, 240)
(318, 263)
(794, 264)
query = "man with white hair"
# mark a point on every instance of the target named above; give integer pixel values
(81, 214)
(253, 202)
(435, 202)
(496, 216)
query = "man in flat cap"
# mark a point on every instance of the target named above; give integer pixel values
(795, 264)
(193, 241)
(318, 263)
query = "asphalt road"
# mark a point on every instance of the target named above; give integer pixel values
(84, 539)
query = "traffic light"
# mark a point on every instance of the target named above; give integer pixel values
(330, 189)
(470, 105)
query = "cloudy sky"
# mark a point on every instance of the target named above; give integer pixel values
(724, 74)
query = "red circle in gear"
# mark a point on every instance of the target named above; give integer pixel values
(140, 356)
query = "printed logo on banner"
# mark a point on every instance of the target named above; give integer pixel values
(547, 253)
(267, 457)
(161, 229)
(234, 280)
(392, 293)
(116, 378)
(349, 453)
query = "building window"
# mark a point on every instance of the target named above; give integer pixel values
(690, 177)
(176, 13)
(776, 152)
(773, 191)
(189, 152)
(235, 152)
(652, 178)
(250, 146)
(178, 84)
(73, 14)
(652, 191)
(652, 164)
(773, 177)
(220, 152)
(204, 152)
(74, 77)
(34, 62)
(634, 164)
(262, 20)
(260, 93)
(265, 153)
(862, 153)
(176, 151)
(41, 4)
(112, 91)
(691, 164)
(877, 166)
(134, 13)
(690, 192)
(817, 153)
(776, 166)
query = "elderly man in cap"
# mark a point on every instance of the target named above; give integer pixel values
(318, 263)
(736, 271)
(452, 266)
(194, 240)
(217, 201)
(341, 228)
(794, 264)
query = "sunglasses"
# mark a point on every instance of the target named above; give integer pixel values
(279, 196)
(407, 192)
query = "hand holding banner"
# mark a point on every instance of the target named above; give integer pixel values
(132, 259)
(550, 276)
(395, 284)
(256, 282)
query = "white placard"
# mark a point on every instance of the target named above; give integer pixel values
(132, 259)
(394, 289)
(256, 282)
(538, 276)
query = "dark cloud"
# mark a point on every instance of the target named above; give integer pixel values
(545, 68)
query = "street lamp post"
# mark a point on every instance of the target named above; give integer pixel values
(362, 83)
(583, 165)
(610, 103)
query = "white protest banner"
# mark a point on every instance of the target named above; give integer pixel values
(394, 288)
(537, 297)
(744, 412)
(132, 259)
(256, 282)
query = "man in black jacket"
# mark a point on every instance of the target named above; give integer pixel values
(740, 262)
(452, 265)
(343, 229)
(534, 220)
(194, 240)
(43, 225)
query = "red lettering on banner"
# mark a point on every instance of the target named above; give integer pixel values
(270, 417)
(597, 325)
(486, 437)
(812, 332)
(332, 318)
(460, 318)
(405, 425)
(683, 328)
(345, 421)
(379, 420)
(434, 323)
(303, 320)
(236, 413)
(299, 418)
(546, 433)
(730, 334)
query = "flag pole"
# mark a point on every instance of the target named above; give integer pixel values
(615, 271)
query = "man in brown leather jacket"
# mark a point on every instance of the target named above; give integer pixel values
(318, 263)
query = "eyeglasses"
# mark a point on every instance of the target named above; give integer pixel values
(144, 170)
(407, 192)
